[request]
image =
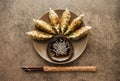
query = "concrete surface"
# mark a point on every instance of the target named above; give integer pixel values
(103, 49)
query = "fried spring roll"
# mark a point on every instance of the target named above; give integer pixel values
(79, 33)
(38, 35)
(53, 16)
(65, 19)
(42, 25)
(75, 24)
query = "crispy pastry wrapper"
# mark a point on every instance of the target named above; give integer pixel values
(74, 24)
(42, 25)
(56, 28)
(53, 16)
(65, 19)
(79, 33)
(38, 35)
(54, 19)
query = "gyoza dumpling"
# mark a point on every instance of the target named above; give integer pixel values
(42, 25)
(53, 17)
(38, 35)
(75, 24)
(54, 20)
(79, 33)
(65, 19)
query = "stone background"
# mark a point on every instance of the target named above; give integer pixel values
(16, 48)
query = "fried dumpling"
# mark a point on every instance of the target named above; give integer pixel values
(38, 35)
(65, 19)
(42, 25)
(53, 16)
(74, 24)
(56, 28)
(79, 33)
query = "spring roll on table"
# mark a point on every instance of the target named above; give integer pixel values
(42, 25)
(65, 19)
(79, 33)
(38, 35)
(53, 16)
(74, 24)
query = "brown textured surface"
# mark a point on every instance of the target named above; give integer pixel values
(102, 50)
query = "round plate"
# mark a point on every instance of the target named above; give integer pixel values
(78, 45)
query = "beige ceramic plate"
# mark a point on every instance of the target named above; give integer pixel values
(78, 46)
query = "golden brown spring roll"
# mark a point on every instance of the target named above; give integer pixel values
(65, 19)
(38, 35)
(74, 24)
(79, 33)
(42, 25)
(53, 16)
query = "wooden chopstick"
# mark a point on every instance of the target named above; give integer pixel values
(60, 68)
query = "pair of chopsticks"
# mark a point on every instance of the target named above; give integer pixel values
(61, 68)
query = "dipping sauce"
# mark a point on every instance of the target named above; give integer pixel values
(59, 48)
